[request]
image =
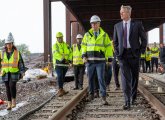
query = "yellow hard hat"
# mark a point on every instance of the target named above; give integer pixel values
(59, 34)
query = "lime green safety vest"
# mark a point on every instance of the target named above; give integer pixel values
(11, 64)
(77, 55)
(60, 50)
(155, 52)
(142, 56)
(148, 55)
(97, 49)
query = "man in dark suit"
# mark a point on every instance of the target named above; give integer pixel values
(129, 42)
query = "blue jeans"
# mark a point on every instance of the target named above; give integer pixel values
(108, 74)
(61, 72)
(100, 69)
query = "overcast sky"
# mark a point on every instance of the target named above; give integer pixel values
(24, 18)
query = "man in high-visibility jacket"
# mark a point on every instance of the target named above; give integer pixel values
(154, 57)
(62, 57)
(78, 63)
(148, 59)
(94, 46)
(142, 62)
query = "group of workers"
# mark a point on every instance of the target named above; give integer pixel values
(149, 59)
(96, 52)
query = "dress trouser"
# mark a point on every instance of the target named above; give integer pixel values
(129, 75)
(116, 68)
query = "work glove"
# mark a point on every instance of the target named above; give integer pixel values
(108, 63)
(63, 56)
(84, 59)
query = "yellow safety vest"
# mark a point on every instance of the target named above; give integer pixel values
(60, 50)
(11, 64)
(142, 56)
(77, 55)
(148, 55)
(99, 49)
(155, 52)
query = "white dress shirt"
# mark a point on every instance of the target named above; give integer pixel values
(128, 31)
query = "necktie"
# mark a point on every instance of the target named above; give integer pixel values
(95, 33)
(125, 36)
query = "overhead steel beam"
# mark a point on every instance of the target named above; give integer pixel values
(105, 16)
(161, 33)
(91, 3)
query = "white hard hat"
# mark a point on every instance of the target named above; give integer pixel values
(79, 36)
(95, 18)
(9, 39)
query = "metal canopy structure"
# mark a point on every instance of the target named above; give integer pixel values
(150, 12)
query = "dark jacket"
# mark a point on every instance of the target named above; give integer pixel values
(137, 39)
(162, 55)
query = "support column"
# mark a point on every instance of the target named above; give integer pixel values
(161, 33)
(72, 28)
(47, 30)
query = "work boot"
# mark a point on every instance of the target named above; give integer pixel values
(96, 94)
(90, 98)
(81, 87)
(8, 105)
(13, 103)
(76, 88)
(61, 92)
(108, 88)
(117, 88)
(104, 102)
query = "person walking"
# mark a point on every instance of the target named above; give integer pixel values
(154, 57)
(128, 48)
(148, 59)
(12, 69)
(95, 43)
(62, 57)
(79, 67)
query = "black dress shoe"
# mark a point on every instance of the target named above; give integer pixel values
(126, 107)
(133, 102)
(117, 88)
(81, 88)
(75, 88)
(90, 98)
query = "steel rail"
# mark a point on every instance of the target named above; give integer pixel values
(65, 110)
(154, 101)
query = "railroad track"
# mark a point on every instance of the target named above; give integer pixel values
(57, 107)
(74, 106)
(154, 91)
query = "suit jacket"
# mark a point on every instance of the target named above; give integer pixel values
(137, 39)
